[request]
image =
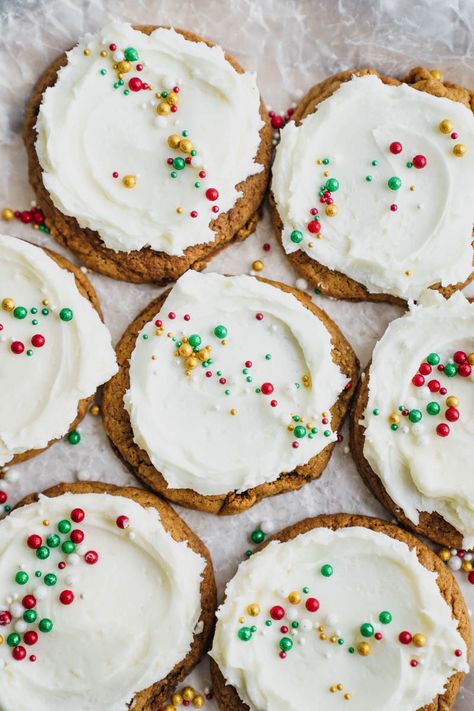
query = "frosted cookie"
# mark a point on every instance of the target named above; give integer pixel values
(340, 609)
(55, 349)
(107, 600)
(371, 186)
(413, 420)
(149, 151)
(229, 389)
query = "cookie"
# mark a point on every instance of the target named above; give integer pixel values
(337, 608)
(360, 197)
(113, 599)
(49, 317)
(170, 145)
(411, 425)
(230, 389)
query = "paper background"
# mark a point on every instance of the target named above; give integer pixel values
(291, 44)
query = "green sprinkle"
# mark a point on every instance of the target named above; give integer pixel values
(394, 183)
(145, 336)
(197, 184)
(375, 162)
(376, 411)
(296, 236)
(45, 312)
(74, 437)
(368, 178)
(433, 408)
(103, 72)
(325, 161)
(433, 359)
(409, 164)
(34, 310)
(245, 633)
(21, 578)
(34, 321)
(268, 623)
(185, 133)
(268, 356)
(29, 352)
(327, 570)
(385, 617)
(126, 92)
(394, 427)
(227, 392)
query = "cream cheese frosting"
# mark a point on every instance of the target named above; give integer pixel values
(395, 164)
(136, 601)
(319, 618)
(261, 364)
(54, 348)
(104, 149)
(419, 418)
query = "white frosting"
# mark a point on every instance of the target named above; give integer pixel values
(132, 617)
(429, 235)
(371, 573)
(420, 470)
(40, 393)
(87, 130)
(185, 424)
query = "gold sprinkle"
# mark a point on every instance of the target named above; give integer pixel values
(333, 638)
(153, 357)
(333, 689)
(290, 428)
(444, 554)
(294, 598)
(224, 342)
(45, 302)
(87, 52)
(319, 236)
(179, 210)
(257, 265)
(319, 161)
(459, 150)
(170, 335)
(95, 409)
(233, 411)
(340, 687)
(326, 173)
(393, 418)
(129, 181)
(321, 628)
(408, 272)
(159, 332)
(36, 227)
(8, 304)
(8, 214)
(445, 126)
(177, 699)
(412, 188)
(188, 693)
(253, 610)
(322, 636)
(331, 210)
(187, 372)
(436, 74)
(46, 522)
(452, 401)
(466, 565)
(310, 245)
(347, 697)
(241, 620)
(103, 53)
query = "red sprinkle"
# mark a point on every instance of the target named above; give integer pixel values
(212, 194)
(282, 655)
(38, 340)
(193, 213)
(266, 247)
(122, 522)
(215, 208)
(295, 445)
(17, 347)
(267, 388)
(115, 174)
(454, 135)
(135, 84)
(395, 147)
(77, 536)
(458, 652)
(433, 386)
(312, 604)
(202, 173)
(3, 497)
(91, 557)
(274, 403)
(34, 541)
(418, 380)
(378, 636)
(394, 207)
(277, 121)
(66, 597)
(464, 370)
(277, 612)
(259, 317)
(29, 602)
(284, 629)
(459, 357)
(187, 317)
(77, 515)
(30, 637)
(314, 227)
(5, 618)
(208, 374)
(248, 363)
(222, 381)
(405, 637)
(112, 47)
(171, 315)
(413, 663)
(425, 368)
(419, 161)
(442, 429)
(19, 653)
(61, 565)
(452, 414)
(159, 323)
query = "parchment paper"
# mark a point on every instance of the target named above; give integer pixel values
(291, 44)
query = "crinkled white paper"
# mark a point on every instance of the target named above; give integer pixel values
(291, 45)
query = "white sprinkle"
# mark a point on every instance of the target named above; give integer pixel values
(21, 626)
(301, 284)
(455, 563)
(16, 609)
(267, 526)
(73, 559)
(199, 627)
(83, 475)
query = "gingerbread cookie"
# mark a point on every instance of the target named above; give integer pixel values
(149, 151)
(49, 318)
(107, 599)
(341, 608)
(412, 421)
(371, 187)
(229, 389)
